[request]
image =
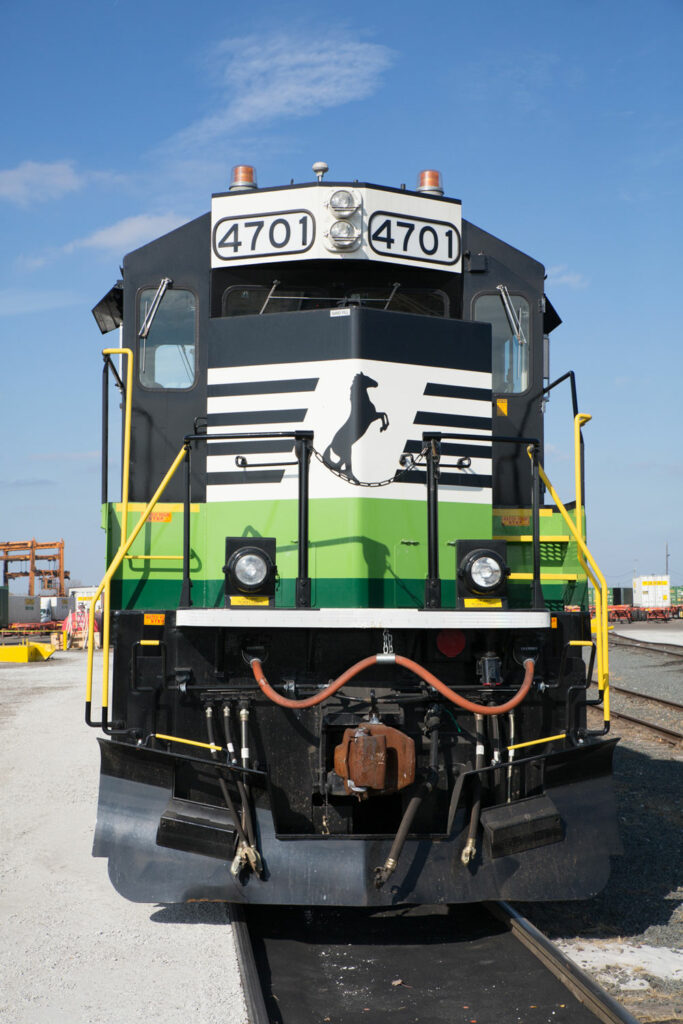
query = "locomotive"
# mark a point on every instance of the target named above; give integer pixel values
(352, 652)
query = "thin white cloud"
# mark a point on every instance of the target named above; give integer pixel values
(129, 233)
(32, 182)
(65, 456)
(562, 275)
(285, 75)
(20, 301)
(12, 484)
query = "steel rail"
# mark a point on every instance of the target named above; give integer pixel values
(648, 697)
(580, 984)
(661, 730)
(251, 981)
(645, 645)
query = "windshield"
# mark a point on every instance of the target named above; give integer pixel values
(255, 299)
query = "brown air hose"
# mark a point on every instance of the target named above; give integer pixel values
(423, 673)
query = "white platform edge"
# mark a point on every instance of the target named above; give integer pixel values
(360, 618)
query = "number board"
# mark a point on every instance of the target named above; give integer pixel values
(294, 223)
(283, 233)
(413, 238)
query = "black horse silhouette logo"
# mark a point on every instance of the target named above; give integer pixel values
(337, 455)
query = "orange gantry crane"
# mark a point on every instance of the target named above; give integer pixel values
(51, 579)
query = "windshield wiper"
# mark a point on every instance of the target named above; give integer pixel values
(397, 285)
(513, 320)
(269, 296)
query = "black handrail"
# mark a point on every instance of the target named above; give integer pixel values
(108, 366)
(572, 378)
(431, 441)
(303, 445)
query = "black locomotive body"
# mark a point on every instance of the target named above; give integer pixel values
(352, 653)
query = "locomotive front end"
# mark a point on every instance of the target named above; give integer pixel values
(348, 635)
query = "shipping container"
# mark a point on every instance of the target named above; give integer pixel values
(24, 609)
(81, 596)
(652, 591)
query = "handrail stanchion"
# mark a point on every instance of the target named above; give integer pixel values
(303, 442)
(186, 589)
(105, 431)
(126, 432)
(433, 581)
(536, 589)
(579, 420)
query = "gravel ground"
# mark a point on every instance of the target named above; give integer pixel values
(630, 937)
(73, 951)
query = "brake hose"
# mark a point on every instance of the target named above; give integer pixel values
(397, 659)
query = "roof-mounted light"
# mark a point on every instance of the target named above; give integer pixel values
(429, 182)
(243, 178)
(343, 235)
(343, 203)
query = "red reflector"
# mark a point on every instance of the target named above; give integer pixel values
(451, 642)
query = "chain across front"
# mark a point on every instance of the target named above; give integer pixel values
(412, 464)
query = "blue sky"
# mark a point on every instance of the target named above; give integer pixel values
(558, 124)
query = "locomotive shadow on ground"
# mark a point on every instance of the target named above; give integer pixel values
(642, 881)
(209, 912)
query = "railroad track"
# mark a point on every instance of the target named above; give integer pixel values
(468, 964)
(644, 645)
(664, 731)
(661, 705)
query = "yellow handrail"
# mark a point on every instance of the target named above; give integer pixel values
(596, 574)
(534, 743)
(600, 605)
(104, 585)
(560, 576)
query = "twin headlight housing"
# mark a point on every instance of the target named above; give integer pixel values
(344, 231)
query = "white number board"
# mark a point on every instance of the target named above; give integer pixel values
(282, 233)
(390, 226)
(414, 238)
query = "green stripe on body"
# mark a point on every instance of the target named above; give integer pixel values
(363, 552)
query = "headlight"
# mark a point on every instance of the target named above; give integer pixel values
(249, 569)
(343, 235)
(484, 571)
(343, 203)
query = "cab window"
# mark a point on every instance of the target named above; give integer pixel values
(167, 356)
(254, 299)
(510, 354)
